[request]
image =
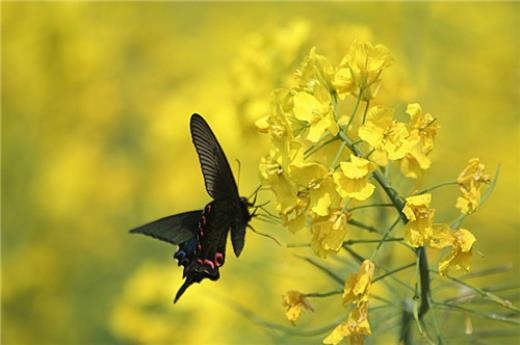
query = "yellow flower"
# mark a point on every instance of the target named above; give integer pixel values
(328, 233)
(315, 110)
(360, 70)
(358, 284)
(387, 136)
(419, 214)
(315, 69)
(356, 327)
(470, 180)
(415, 160)
(422, 131)
(277, 123)
(352, 180)
(442, 236)
(423, 125)
(290, 202)
(460, 257)
(296, 304)
(315, 179)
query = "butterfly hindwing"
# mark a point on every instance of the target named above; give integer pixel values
(174, 229)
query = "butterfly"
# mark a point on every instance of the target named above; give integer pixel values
(202, 235)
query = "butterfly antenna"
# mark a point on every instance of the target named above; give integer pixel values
(238, 163)
(264, 235)
(255, 193)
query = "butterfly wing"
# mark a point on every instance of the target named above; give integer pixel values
(218, 176)
(174, 229)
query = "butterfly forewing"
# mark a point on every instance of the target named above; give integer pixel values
(218, 176)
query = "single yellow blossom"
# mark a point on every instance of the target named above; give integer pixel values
(352, 179)
(460, 257)
(356, 327)
(420, 216)
(360, 70)
(291, 203)
(277, 123)
(314, 178)
(423, 125)
(422, 130)
(315, 69)
(296, 304)
(328, 233)
(388, 137)
(315, 110)
(442, 236)
(470, 181)
(357, 284)
(415, 160)
(460, 240)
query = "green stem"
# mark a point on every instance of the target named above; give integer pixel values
(385, 236)
(315, 148)
(365, 112)
(324, 269)
(429, 189)
(338, 156)
(354, 111)
(323, 294)
(496, 317)
(389, 273)
(392, 239)
(360, 225)
(486, 294)
(369, 206)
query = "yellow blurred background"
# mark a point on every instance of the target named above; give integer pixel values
(96, 99)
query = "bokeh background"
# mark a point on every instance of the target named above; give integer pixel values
(96, 99)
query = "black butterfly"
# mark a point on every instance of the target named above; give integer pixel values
(202, 235)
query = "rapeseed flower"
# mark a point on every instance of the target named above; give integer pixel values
(328, 233)
(353, 178)
(470, 181)
(420, 216)
(356, 327)
(388, 137)
(296, 304)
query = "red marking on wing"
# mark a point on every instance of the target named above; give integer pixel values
(209, 263)
(218, 259)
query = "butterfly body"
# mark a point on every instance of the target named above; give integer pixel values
(202, 235)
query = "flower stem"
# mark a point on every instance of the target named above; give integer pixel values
(365, 112)
(493, 316)
(358, 224)
(392, 239)
(358, 100)
(338, 156)
(429, 189)
(323, 294)
(393, 271)
(385, 236)
(369, 206)
(486, 294)
(315, 148)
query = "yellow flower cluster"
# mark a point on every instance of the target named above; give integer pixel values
(311, 193)
(321, 160)
(356, 327)
(420, 231)
(392, 140)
